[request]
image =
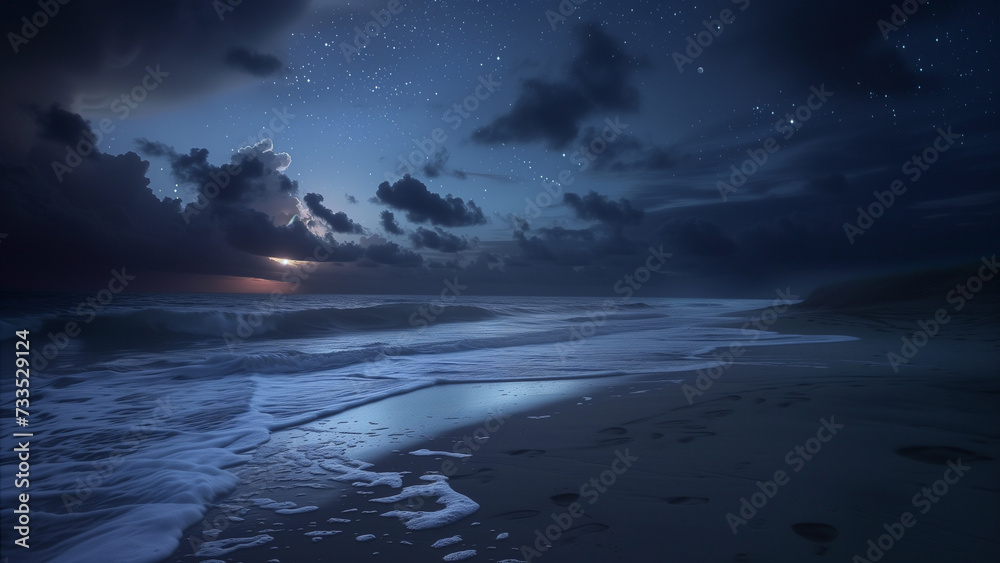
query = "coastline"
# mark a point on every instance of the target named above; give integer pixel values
(686, 468)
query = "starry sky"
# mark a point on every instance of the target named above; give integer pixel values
(522, 147)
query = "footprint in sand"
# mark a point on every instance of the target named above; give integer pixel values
(692, 435)
(685, 500)
(615, 430)
(482, 475)
(565, 499)
(789, 401)
(613, 442)
(573, 534)
(718, 413)
(741, 465)
(527, 452)
(518, 514)
(816, 532)
(940, 455)
(673, 423)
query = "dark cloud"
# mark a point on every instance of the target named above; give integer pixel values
(597, 207)
(253, 177)
(389, 223)
(351, 199)
(439, 239)
(338, 221)
(75, 227)
(61, 126)
(423, 206)
(254, 232)
(598, 80)
(257, 64)
(92, 52)
(542, 112)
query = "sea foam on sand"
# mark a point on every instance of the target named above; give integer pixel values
(456, 505)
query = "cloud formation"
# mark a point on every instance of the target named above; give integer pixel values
(423, 206)
(257, 64)
(598, 80)
(388, 221)
(439, 239)
(338, 221)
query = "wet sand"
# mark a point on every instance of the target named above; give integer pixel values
(796, 453)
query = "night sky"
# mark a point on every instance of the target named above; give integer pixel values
(503, 144)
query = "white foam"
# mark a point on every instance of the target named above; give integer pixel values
(426, 452)
(365, 537)
(323, 533)
(460, 555)
(360, 477)
(445, 542)
(229, 545)
(503, 536)
(273, 504)
(299, 510)
(339, 520)
(456, 505)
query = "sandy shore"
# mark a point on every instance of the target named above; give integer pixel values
(796, 453)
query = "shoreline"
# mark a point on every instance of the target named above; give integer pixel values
(695, 463)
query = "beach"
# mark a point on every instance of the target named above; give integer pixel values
(790, 453)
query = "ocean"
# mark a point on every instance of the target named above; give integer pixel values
(143, 408)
